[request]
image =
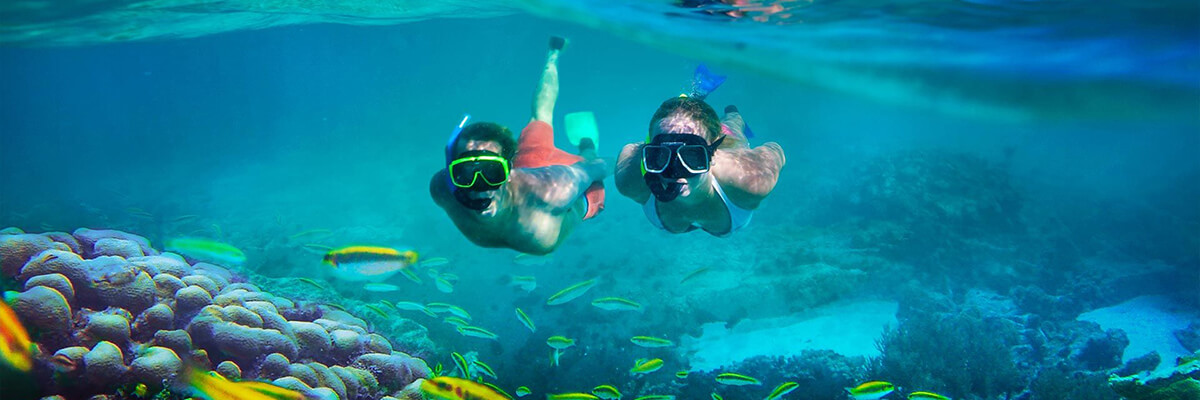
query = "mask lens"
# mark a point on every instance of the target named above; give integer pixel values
(694, 157)
(656, 158)
(493, 172)
(462, 174)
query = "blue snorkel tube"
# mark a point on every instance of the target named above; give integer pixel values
(454, 136)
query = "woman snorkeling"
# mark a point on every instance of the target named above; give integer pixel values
(696, 170)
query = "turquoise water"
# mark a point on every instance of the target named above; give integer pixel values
(937, 152)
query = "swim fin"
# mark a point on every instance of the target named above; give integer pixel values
(705, 82)
(582, 125)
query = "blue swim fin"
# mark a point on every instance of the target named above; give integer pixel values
(705, 82)
(746, 131)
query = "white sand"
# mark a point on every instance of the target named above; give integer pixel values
(849, 328)
(1150, 322)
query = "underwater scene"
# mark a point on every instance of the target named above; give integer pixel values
(586, 199)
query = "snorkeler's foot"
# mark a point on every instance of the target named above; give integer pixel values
(557, 42)
(731, 109)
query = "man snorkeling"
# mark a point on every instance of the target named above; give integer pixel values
(525, 194)
(696, 171)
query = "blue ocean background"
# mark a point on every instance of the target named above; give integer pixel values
(938, 174)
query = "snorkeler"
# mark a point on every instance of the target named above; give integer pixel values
(696, 171)
(525, 194)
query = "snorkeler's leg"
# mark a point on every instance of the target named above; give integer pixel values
(546, 93)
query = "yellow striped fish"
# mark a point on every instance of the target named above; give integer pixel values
(449, 388)
(782, 389)
(571, 292)
(650, 341)
(616, 304)
(926, 396)
(572, 396)
(475, 331)
(368, 263)
(872, 390)
(646, 366)
(730, 378)
(607, 392)
(525, 320)
(15, 347)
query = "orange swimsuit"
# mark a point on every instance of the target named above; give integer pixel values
(535, 149)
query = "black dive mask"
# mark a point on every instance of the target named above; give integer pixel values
(671, 156)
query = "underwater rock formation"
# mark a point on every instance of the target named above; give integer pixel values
(108, 312)
(1182, 383)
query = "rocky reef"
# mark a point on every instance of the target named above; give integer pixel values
(109, 312)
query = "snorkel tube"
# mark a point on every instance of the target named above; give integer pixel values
(461, 195)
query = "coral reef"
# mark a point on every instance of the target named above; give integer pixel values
(1183, 383)
(114, 312)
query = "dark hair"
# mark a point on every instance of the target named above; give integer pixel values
(488, 132)
(692, 108)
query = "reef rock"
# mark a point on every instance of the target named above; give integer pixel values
(395, 370)
(117, 247)
(57, 282)
(104, 364)
(44, 308)
(88, 237)
(154, 366)
(16, 250)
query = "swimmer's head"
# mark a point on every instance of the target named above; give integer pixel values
(485, 136)
(686, 115)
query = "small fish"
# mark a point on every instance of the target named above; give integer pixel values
(523, 391)
(449, 308)
(315, 248)
(437, 369)
(497, 389)
(560, 342)
(388, 304)
(926, 396)
(15, 347)
(443, 285)
(525, 320)
(606, 392)
(412, 276)
(449, 388)
(526, 283)
(336, 306)
(140, 213)
(311, 282)
(656, 397)
(380, 287)
(782, 389)
(572, 396)
(475, 331)
(434, 262)
(716, 396)
(531, 260)
(456, 321)
(140, 390)
(433, 273)
(211, 387)
(369, 263)
(207, 250)
(871, 390)
(184, 218)
(681, 374)
(651, 342)
(646, 366)
(449, 277)
(616, 304)
(461, 363)
(377, 310)
(409, 306)
(730, 378)
(63, 364)
(484, 368)
(571, 293)
(693, 274)
(309, 232)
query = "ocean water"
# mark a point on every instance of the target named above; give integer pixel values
(964, 179)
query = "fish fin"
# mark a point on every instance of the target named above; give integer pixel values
(705, 82)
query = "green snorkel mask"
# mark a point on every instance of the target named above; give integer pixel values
(474, 171)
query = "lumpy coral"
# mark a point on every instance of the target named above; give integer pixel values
(109, 312)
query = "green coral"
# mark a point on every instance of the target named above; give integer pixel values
(1182, 384)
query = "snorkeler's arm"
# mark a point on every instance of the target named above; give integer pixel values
(628, 174)
(437, 188)
(755, 174)
(559, 186)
